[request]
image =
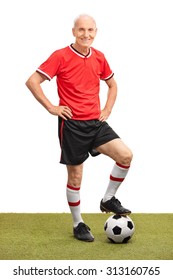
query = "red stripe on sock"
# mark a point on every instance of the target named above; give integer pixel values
(73, 188)
(116, 179)
(122, 166)
(74, 203)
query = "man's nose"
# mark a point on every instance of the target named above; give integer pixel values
(86, 33)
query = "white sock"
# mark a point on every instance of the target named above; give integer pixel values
(117, 176)
(73, 198)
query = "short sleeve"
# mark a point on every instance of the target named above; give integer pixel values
(50, 67)
(106, 72)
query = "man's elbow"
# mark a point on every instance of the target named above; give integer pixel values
(30, 82)
(27, 83)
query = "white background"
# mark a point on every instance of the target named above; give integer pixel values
(136, 37)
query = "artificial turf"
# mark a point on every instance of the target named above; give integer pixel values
(49, 237)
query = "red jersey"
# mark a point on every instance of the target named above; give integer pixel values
(78, 79)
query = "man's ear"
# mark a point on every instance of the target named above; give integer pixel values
(73, 31)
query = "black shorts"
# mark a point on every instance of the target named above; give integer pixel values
(78, 139)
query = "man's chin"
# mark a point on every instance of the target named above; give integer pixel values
(86, 45)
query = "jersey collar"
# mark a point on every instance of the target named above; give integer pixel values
(80, 54)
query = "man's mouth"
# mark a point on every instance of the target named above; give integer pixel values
(85, 40)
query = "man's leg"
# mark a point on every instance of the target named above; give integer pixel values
(122, 156)
(80, 230)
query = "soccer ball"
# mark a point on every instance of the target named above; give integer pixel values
(119, 229)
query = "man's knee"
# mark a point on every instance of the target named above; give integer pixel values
(126, 157)
(74, 175)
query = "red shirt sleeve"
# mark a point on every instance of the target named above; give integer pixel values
(106, 72)
(50, 67)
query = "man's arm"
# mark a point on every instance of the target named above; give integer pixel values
(112, 94)
(34, 85)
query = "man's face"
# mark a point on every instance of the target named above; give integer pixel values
(84, 31)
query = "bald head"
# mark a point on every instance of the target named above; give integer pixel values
(84, 17)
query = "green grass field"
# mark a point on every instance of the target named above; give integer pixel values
(49, 237)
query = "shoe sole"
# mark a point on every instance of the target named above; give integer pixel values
(103, 209)
(85, 240)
